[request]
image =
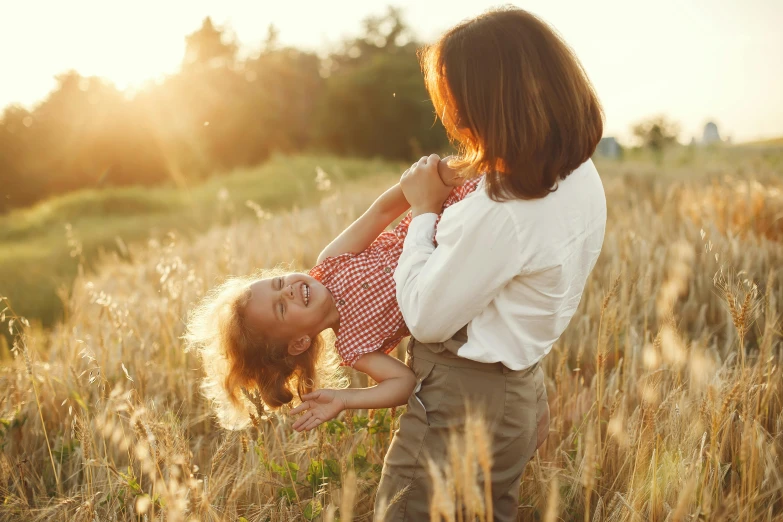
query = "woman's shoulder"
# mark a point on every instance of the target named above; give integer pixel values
(576, 208)
(581, 189)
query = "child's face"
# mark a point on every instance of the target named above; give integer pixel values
(290, 306)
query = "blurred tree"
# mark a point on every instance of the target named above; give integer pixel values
(16, 189)
(284, 86)
(382, 34)
(209, 47)
(272, 40)
(367, 98)
(375, 101)
(87, 134)
(657, 134)
(205, 97)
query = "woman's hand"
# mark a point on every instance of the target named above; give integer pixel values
(318, 407)
(423, 187)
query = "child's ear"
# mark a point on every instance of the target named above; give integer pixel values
(299, 345)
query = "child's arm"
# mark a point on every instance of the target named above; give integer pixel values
(364, 230)
(395, 385)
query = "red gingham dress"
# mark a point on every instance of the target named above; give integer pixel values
(365, 293)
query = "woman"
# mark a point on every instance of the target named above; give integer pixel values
(487, 304)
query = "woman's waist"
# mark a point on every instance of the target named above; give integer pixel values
(446, 353)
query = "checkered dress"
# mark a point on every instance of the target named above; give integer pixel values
(365, 293)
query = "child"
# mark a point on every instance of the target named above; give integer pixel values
(267, 334)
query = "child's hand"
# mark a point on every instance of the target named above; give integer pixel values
(449, 175)
(422, 186)
(318, 406)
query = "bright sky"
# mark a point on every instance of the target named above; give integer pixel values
(694, 60)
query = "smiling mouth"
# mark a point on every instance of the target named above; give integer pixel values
(306, 293)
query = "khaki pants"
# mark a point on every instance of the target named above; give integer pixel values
(513, 404)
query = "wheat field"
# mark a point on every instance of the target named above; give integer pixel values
(666, 391)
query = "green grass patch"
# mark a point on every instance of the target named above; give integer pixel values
(35, 256)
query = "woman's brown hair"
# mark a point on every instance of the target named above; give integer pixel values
(515, 99)
(236, 357)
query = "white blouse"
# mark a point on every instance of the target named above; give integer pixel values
(513, 271)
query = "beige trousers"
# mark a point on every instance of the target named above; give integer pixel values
(513, 404)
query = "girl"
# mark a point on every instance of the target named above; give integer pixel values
(512, 260)
(267, 334)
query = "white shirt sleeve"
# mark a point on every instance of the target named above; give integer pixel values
(440, 290)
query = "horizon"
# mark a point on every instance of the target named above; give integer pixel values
(694, 76)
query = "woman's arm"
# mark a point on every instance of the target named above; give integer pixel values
(442, 289)
(395, 384)
(362, 232)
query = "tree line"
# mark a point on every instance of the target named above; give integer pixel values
(219, 112)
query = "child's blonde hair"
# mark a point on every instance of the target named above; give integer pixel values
(235, 357)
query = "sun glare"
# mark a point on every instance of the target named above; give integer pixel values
(129, 64)
(126, 45)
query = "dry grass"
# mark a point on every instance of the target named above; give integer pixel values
(666, 391)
